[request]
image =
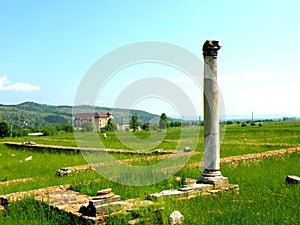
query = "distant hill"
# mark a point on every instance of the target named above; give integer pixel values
(35, 115)
(263, 117)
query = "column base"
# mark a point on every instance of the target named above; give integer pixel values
(213, 177)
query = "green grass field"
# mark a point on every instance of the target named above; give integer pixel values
(264, 196)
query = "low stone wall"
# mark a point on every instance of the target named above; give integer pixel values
(38, 147)
(257, 143)
(250, 157)
(231, 159)
(66, 170)
(7, 183)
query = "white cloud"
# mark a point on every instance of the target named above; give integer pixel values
(6, 85)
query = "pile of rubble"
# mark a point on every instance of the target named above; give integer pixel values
(104, 203)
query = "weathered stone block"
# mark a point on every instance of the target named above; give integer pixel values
(109, 208)
(166, 193)
(63, 172)
(103, 192)
(136, 204)
(176, 218)
(198, 187)
(187, 149)
(104, 196)
(217, 181)
(291, 179)
(97, 202)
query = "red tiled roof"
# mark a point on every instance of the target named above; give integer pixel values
(92, 115)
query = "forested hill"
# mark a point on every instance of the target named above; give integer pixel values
(35, 115)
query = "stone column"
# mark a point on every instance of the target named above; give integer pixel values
(212, 174)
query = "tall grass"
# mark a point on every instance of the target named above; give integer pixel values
(270, 132)
(264, 196)
(28, 211)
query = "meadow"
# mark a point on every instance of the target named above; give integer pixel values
(264, 197)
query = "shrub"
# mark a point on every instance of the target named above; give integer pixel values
(49, 131)
(4, 129)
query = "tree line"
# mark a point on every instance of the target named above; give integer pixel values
(5, 130)
(134, 124)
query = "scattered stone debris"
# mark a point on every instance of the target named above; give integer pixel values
(63, 172)
(187, 149)
(28, 158)
(157, 151)
(291, 179)
(28, 143)
(176, 218)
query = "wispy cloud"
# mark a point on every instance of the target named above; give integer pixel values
(6, 85)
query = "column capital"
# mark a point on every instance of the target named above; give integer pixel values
(211, 48)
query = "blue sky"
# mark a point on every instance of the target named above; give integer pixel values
(46, 47)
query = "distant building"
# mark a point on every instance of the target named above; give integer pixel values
(123, 127)
(99, 120)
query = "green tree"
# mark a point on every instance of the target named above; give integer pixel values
(21, 132)
(146, 126)
(49, 131)
(163, 122)
(111, 125)
(87, 126)
(175, 124)
(68, 128)
(134, 122)
(4, 129)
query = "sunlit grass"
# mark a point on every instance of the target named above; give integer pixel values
(264, 196)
